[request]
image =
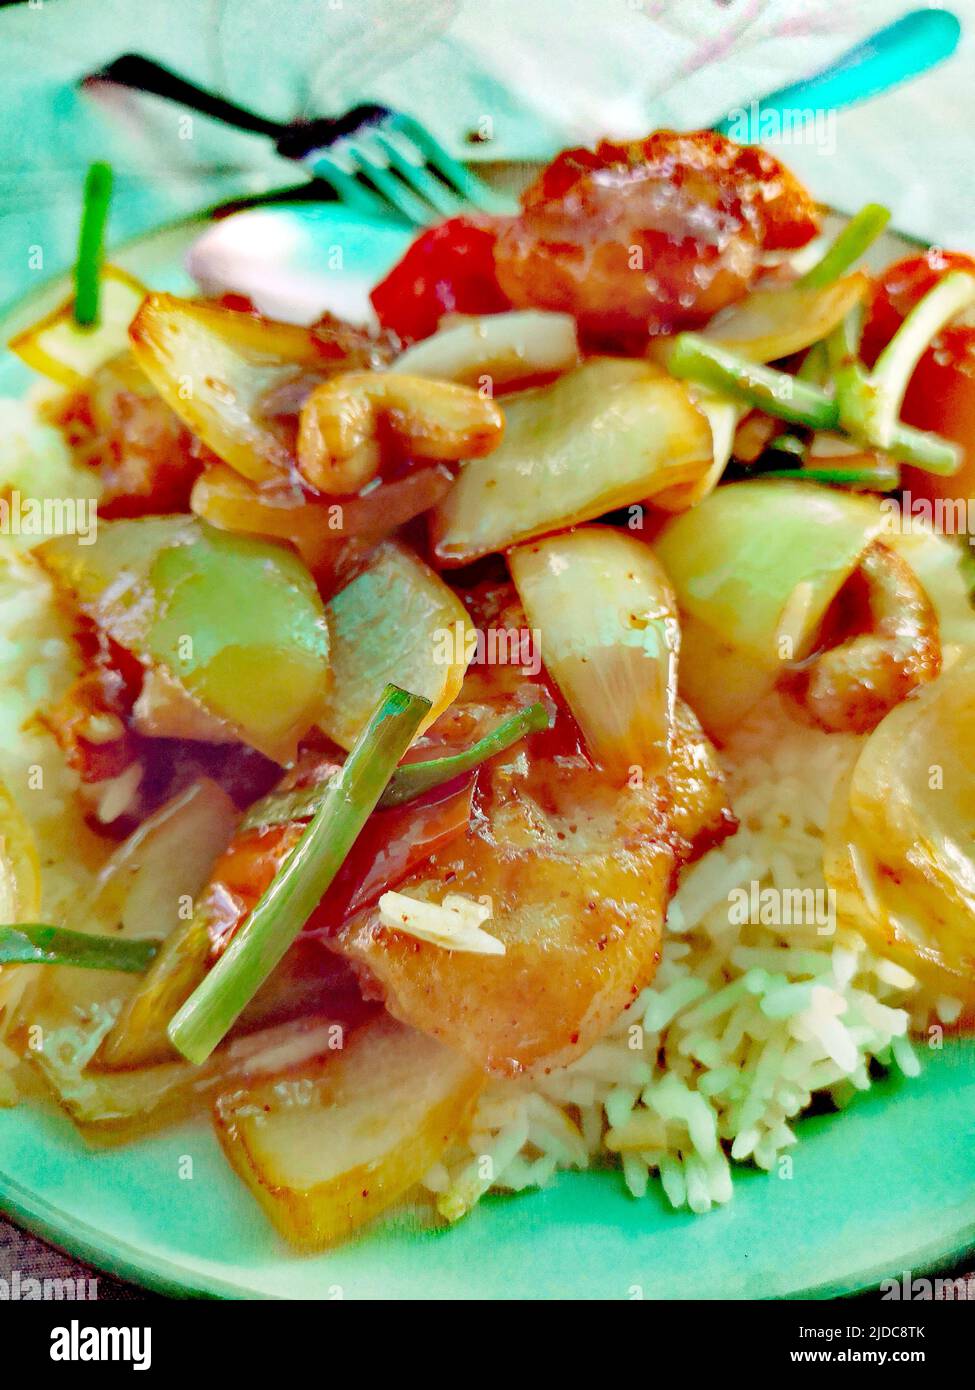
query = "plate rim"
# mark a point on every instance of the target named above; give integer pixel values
(159, 1274)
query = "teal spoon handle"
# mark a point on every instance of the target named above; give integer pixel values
(902, 50)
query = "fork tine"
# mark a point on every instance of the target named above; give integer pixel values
(470, 188)
(415, 172)
(372, 155)
(347, 188)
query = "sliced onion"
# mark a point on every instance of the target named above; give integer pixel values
(769, 324)
(61, 349)
(20, 901)
(165, 709)
(322, 533)
(118, 1106)
(613, 432)
(723, 417)
(330, 1146)
(215, 367)
(505, 349)
(398, 622)
(940, 564)
(236, 621)
(609, 637)
(148, 888)
(20, 874)
(900, 848)
(145, 890)
(754, 567)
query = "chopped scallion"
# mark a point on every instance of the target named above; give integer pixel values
(283, 808)
(415, 778)
(350, 798)
(895, 365)
(36, 943)
(693, 358)
(869, 401)
(87, 271)
(407, 782)
(788, 444)
(856, 237)
(877, 479)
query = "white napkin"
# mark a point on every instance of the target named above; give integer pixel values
(524, 78)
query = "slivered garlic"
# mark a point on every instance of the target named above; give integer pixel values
(455, 924)
(115, 793)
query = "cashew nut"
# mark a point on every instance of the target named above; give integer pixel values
(852, 686)
(339, 447)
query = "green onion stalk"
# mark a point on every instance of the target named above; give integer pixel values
(857, 236)
(693, 358)
(37, 943)
(880, 479)
(88, 266)
(407, 782)
(416, 778)
(869, 402)
(864, 404)
(349, 799)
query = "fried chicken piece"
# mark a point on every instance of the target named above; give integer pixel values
(650, 236)
(578, 871)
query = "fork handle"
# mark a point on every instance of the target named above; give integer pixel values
(293, 140)
(144, 75)
(906, 48)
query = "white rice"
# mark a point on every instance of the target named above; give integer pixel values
(743, 1025)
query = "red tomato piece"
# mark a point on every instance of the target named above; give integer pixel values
(391, 844)
(448, 270)
(941, 393)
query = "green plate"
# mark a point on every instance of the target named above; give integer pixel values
(885, 1187)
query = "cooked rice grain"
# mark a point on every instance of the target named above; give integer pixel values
(712, 1065)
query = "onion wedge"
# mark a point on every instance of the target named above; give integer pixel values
(755, 567)
(397, 621)
(237, 622)
(69, 354)
(329, 1147)
(120, 1105)
(723, 416)
(609, 637)
(770, 324)
(899, 850)
(20, 900)
(501, 350)
(150, 886)
(939, 563)
(214, 367)
(326, 535)
(612, 433)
